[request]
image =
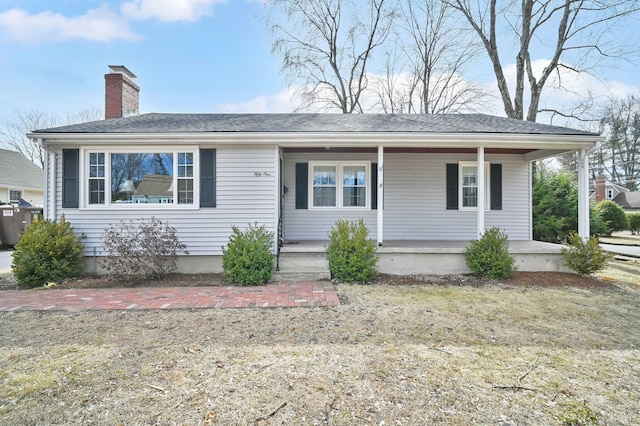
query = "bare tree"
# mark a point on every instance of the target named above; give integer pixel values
(424, 70)
(13, 133)
(569, 34)
(327, 45)
(618, 157)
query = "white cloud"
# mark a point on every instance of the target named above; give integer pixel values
(284, 101)
(96, 25)
(168, 10)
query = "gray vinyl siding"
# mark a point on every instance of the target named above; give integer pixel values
(302, 224)
(242, 198)
(415, 199)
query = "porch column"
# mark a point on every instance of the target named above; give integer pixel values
(583, 194)
(481, 191)
(380, 190)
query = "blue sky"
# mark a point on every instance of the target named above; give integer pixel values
(189, 56)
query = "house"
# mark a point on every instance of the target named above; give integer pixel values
(413, 179)
(602, 188)
(20, 179)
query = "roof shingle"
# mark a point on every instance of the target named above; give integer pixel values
(315, 123)
(17, 171)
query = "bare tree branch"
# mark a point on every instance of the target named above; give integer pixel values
(13, 132)
(326, 46)
(580, 27)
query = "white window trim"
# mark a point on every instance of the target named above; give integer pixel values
(108, 205)
(339, 165)
(487, 185)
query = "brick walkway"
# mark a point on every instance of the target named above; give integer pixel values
(286, 295)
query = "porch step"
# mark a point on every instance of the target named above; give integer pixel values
(302, 266)
(300, 276)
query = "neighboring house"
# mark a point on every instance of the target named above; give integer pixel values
(413, 179)
(629, 201)
(20, 179)
(601, 189)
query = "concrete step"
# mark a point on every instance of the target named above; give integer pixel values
(304, 262)
(300, 276)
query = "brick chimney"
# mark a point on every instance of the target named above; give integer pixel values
(600, 188)
(121, 97)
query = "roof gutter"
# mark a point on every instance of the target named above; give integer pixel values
(407, 139)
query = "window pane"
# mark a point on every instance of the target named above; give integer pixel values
(470, 197)
(185, 191)
(324, 196)
(354, 181)
(96, 164)
(354, 197)
(96, 191)
(185, 164)
(354, 176)
(469, 176)
(150, 173)
(324, 176)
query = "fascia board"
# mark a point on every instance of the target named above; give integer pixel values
(436, 140)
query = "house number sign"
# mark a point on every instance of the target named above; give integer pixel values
(262, 174)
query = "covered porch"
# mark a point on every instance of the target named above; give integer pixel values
(402, 257)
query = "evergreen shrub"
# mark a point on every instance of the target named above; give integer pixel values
(634, 223)
(585, 257)
(613, 216)
(352, 254)
(247, 259)
(489, 258)
(47, 251)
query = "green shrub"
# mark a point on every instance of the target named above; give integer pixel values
(145, 247)
(613, 215)
(634, 223)
(585, 257)
(597, 225)
(488, 257)
(554, 204)
(247, 259)
(47, 251)
(352, 255)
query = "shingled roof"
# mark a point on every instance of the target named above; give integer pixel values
(315, 123)
(17, 171)
(628, 200)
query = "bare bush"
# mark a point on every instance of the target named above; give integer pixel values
(144, 247)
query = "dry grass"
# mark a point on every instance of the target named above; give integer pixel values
(432, 354)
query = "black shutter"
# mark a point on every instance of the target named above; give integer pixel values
(70, 178)
(496, 187)
(452, 186)
(302, 188)
(207, 178)
(374, 186)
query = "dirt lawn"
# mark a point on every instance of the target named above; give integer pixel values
(407, 350)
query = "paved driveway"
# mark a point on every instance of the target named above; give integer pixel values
(626, 250)
(5, 261)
